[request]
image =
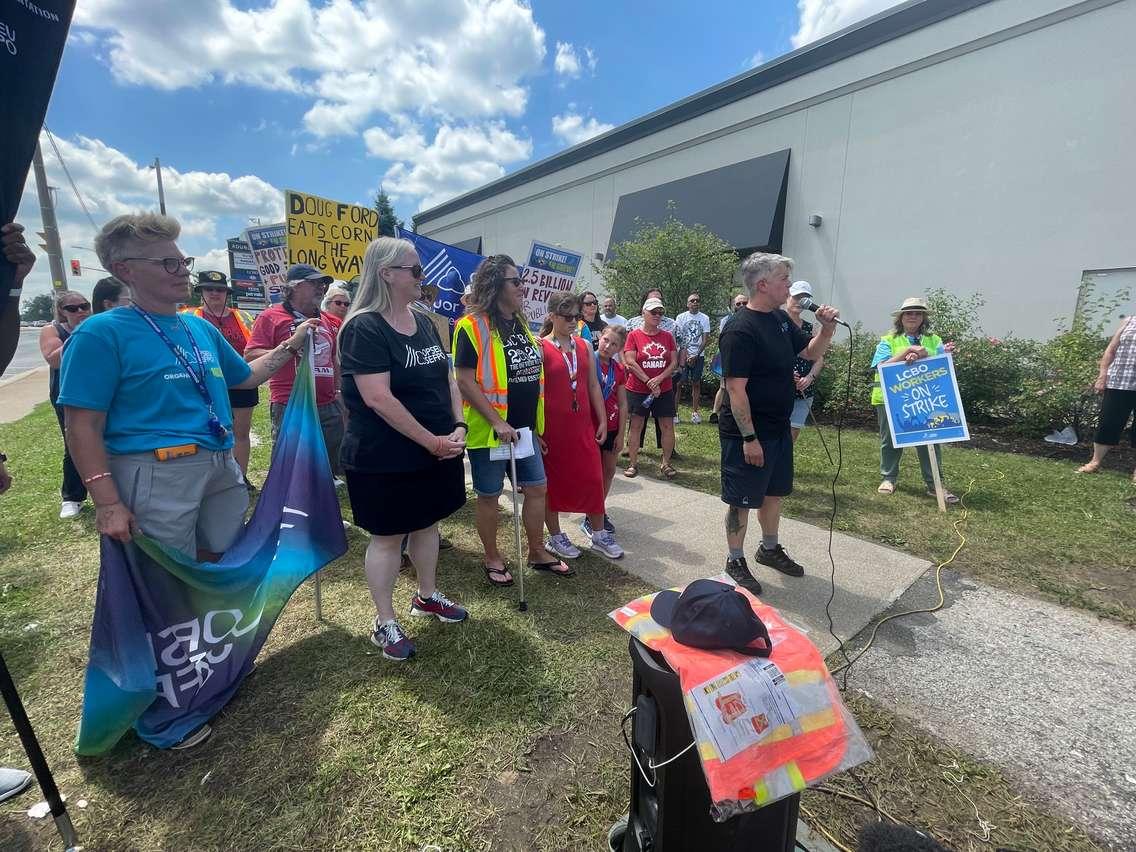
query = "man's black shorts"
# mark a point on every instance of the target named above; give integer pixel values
(745, 485)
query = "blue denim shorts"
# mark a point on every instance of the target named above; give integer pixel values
(489, 474)
(801, 409)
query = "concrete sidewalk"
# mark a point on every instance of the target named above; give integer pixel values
(20, 393)
(673, 535)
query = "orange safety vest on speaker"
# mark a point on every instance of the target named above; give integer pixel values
(242, 322)
(770, 758)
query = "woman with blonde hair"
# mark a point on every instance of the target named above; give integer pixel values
(402, 453)
(337, 301)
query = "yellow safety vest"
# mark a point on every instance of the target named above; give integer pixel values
(492, 377)
(899, 343)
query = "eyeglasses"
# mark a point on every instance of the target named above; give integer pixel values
(657, 312)
(415, 269)
(74, 309)
(693, 301)
(340, 303)
(573, 317)
(515, 281)
(172, 265)
(589, 304)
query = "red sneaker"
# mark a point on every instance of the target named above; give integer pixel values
(438, 605)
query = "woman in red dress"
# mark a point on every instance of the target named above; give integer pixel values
(575, 426)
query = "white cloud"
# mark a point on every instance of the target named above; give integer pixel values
(569, 63)
(819, 18)
(112, 184)
(457, 159)
(755, 60)
(574, 128)
(442, 58)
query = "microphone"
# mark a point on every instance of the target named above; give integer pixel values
(807, 304)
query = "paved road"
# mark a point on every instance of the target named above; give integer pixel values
(27, 355)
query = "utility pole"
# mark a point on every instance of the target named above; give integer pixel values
(50, 232)
(157, 167)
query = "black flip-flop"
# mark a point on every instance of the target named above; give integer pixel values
(489, 572)
(548, 567)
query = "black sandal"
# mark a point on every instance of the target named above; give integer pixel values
(549, 568)
(490, 571)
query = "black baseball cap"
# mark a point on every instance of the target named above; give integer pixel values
(209, 278)
(712, 616)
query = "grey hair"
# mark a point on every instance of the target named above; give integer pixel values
(759, 266)
(373, 293)
(122, 236)
(333, 291)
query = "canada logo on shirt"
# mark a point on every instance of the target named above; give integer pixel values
(654, 349)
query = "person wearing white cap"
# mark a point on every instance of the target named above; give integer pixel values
(805, 371)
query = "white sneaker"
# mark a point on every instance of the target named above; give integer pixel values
(604, 542)
(677, 419)
(562, 546)
(696, 418)
(69, 509)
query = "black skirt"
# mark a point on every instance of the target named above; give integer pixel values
(400, 503)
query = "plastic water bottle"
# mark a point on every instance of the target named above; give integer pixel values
(649, 401)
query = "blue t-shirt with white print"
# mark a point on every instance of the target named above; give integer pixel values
(114, 362)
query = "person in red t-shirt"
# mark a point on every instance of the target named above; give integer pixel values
(651, 358)
(235, 326)
(303, 289)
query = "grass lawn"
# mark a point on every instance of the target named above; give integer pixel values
(1035, 526)
(503, 734)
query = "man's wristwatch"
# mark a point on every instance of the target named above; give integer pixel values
(749, 438)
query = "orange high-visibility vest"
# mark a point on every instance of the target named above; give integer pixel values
(493, 379)
(242, 321)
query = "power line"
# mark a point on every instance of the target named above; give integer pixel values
(70, 180)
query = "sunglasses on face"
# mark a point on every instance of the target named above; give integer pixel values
(415, 270)
(172, 265)
(573, 317)
(340, 303)
(74, 309)
(589, 304)
(658, 312)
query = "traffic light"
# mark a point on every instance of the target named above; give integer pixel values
(76, 269)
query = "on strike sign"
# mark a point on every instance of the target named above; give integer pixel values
(550, 269)
(330, 235)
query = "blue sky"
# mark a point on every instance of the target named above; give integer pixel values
(429, 98)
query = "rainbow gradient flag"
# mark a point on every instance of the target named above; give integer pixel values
(173, 639)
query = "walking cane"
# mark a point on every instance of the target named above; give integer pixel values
(36, 759)
(523, 605)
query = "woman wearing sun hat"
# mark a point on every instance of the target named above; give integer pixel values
(909, 340)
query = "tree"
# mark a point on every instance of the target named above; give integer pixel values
(673, 257)
(387, 218)
(41, 307)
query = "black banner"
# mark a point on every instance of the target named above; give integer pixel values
(32, 35)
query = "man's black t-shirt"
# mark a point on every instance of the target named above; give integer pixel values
(419, 379)
(762, 347)
(522, 371)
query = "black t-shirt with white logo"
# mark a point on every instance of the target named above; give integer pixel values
(761, 346)
(419, 379)
(522, 371)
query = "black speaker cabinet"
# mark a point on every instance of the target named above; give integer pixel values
(674, 814)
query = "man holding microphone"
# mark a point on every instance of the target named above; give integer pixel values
(759, 348)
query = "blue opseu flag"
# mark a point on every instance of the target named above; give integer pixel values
(172, 639)
(446, 267)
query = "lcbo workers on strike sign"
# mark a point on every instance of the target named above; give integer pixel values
(922, 402)
(550, 270)
(330, 235)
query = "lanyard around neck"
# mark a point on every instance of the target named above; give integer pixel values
(607, 380)
(215, 425)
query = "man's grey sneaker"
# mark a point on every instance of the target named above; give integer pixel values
(13, 782)
(562, 546)
(739, 572)
(779, 560)
(605, 543)
(194, 738)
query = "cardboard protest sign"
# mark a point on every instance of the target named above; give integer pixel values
(922, 402)
(550, 270)
(330, 235)
(270, 256)
(248, 289)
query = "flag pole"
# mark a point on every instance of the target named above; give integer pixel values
(35, 757)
